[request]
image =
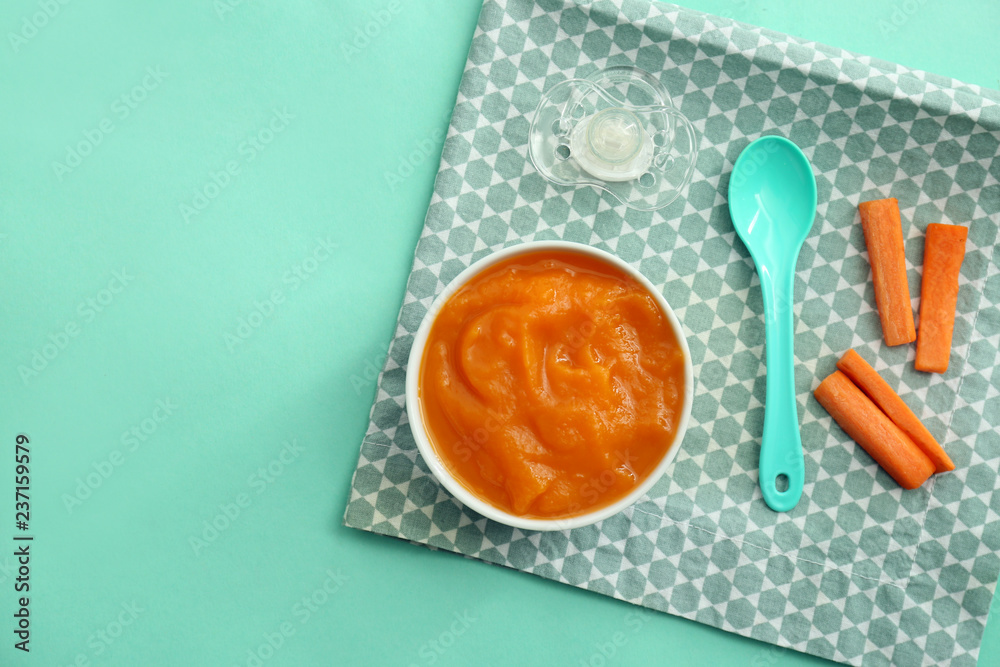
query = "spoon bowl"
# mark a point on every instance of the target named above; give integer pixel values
(772, 202)
(772, 198)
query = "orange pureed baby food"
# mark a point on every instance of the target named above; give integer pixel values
(552, 384)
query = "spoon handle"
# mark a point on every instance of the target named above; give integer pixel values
(780, 446)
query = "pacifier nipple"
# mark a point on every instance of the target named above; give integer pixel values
(617, 131)
(614, 135)
(612, 145)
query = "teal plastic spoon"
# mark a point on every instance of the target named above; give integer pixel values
(772, 201)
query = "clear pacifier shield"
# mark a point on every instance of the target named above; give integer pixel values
(617, 131)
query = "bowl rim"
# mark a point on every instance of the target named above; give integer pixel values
(415, 414)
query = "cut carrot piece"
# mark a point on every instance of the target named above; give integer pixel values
(944, 250)
(884, 238)
(869, 427)
(877, 389)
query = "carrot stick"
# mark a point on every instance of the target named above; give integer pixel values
(877, 389)
(884, 238)
(870, 428)
(944, 250)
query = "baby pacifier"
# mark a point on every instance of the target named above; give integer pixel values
(616, 130)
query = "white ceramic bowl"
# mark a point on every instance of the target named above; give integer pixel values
(415, 413)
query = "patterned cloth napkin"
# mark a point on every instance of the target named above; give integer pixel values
(860, 572)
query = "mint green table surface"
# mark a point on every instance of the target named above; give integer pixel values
(207, 215)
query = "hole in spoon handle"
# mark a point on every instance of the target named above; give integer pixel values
(781, 483)
(782, 488)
